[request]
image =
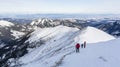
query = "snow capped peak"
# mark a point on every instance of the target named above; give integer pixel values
(94, 35)
(41, 21)
(5, 23)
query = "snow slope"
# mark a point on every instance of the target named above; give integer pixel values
(103, 54)
(58, 40)
(5, 23)
(59, 46)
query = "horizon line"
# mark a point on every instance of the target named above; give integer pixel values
(64, 13)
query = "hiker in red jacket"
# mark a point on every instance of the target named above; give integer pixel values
(77, 47)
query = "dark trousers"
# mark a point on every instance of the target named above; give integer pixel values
(77, 50)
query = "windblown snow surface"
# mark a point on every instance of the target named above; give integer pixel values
(59, 48)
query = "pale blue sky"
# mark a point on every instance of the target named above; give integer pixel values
(59, 6)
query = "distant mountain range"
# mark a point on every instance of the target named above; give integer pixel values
(59, 16)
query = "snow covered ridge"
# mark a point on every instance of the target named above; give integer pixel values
(6, 23)
(59, 43)
(89, 34)
(94, 35)
(47, 33)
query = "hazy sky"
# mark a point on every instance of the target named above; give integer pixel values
(59, 6)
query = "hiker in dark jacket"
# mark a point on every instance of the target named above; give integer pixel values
(84, 44)
(77, 47)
